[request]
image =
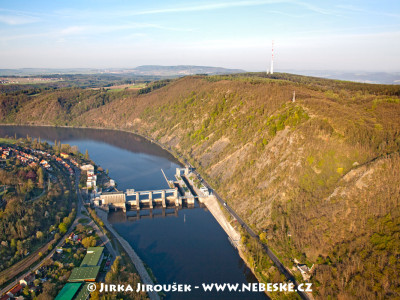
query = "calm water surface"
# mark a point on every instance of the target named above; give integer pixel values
(186, 246)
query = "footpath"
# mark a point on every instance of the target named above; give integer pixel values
(213, 206)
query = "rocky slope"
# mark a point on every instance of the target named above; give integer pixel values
(318, 177)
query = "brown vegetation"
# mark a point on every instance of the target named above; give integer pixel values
(324, 168)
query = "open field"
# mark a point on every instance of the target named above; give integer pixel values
(27, 80)
(123, 87)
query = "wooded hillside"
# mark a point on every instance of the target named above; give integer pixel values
(319, 175)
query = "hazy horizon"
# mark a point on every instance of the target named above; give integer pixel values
(308, 35)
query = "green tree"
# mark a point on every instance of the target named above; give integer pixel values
(20, 247)
(115, 266)
(39, 235)
(89, 241)
(49, 290)
(26, 291)
(30, 185)
(87, 154)
(40, 175)
(63, 228)
(67, 221)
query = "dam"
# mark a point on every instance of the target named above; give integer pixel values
(179, 193)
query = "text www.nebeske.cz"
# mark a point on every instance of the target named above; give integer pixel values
(208, 287)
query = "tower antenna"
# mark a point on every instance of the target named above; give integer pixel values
(272, 59)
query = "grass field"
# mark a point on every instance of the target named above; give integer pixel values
(121, 87)
(7, 141)
(27, 80)
(83, 221)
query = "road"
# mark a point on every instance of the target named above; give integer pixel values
(250, 231)
(144, 275)
(104, 238)
(34, 256)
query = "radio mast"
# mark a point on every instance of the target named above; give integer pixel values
(272, 59)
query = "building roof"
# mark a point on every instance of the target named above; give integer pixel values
(83, 293)
(92, 256)
(113, 193)
(28, 279)
(84, 274)
(68, 291)
(16, 289)
(303, 268)
(87, 167)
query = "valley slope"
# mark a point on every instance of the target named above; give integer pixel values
(318, 178)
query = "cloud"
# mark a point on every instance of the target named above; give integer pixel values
(352, 8)
(72, 30)
(222, 5)
(11, 37)
(82, 30)
(17, 19)
(204, 7)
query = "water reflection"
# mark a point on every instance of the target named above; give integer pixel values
(120, 139)
(186, 246)
(133, 215)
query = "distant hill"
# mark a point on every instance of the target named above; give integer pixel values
(46, 71)
(364, 77)
(317, 178)
(167, 71)
(182, 70)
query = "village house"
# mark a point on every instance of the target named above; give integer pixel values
(305, 271)
(28, 280)
(64, 155)
(13, 293)
(87, 167)
(5, 297)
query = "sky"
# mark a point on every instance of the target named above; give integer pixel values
(350, 35)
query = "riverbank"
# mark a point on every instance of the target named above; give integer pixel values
(213, 206)
(132, 254)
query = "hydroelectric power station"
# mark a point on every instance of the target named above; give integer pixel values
(183, 191)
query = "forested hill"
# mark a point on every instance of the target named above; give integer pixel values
(320, 176)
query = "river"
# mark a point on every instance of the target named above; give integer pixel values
(187, 246)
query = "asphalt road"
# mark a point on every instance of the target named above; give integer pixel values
(35, 257)
(104, 238)
(250, 231)
(79, 216)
